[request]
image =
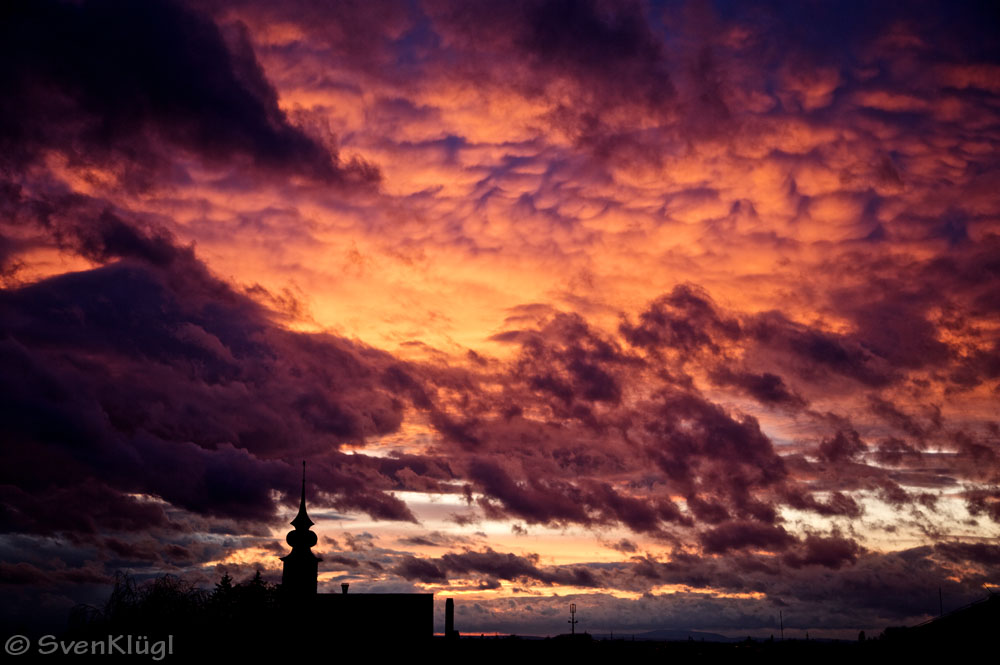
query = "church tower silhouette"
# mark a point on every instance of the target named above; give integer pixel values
(300, 566)
(361, 616)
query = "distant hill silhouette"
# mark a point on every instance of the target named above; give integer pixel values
(974, 625)
(679, 635)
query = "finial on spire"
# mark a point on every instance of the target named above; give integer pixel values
(302, 521)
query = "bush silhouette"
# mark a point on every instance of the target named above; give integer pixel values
(229, 618)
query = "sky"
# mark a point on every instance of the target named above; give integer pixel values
(685, 312)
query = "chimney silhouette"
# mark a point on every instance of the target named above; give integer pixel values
(449, 619)
(300, 566)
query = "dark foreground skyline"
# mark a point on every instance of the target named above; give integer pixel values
(168, 618)
(683, 312)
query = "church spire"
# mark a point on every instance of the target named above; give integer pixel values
(302, 521)
(301, 566)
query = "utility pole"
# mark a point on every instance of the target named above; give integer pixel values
(572, 618)
(781, 621)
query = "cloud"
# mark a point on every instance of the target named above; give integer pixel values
(832, 552)
(686, 319)
(740, 535)
(413, 568)
(766, 388)
(494, 565)
(106, 83)
(631, 271)
(843, 446)
(700, 447)
(608, 47)
(154, 377)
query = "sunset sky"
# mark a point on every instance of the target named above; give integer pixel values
(685, 312)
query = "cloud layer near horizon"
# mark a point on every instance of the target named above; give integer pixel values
(714, 287)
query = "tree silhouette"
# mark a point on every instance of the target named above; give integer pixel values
(169, 605)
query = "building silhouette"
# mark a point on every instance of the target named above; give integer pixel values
(405, 617)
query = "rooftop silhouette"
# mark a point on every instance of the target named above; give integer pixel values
(358, 615)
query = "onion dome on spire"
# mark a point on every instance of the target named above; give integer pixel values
(299, 574)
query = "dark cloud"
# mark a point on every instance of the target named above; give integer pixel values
(766, 388)
(90, 507)
(686, 320)
(843, 446)
(986, 554)
(704, 451)
(608, 49)
(896, 452)
(105, 81)
(897, 329)
(838, 503)
(638, 514)
(537, 500)
(624, 545)
(434, 539)
(822, 34)
(741, 535)
(984, 502)
(571, 364)
(412, 568)
(832, 552)
(607, 62)
(816, 351)
(601, 40)
(150, 376)
(494, 565)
